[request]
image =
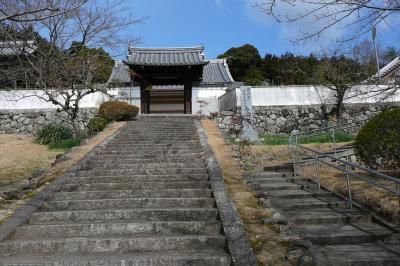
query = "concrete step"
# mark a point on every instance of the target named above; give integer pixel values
(166, 258)
(327, 216)
(354, 233)
(173, 214)
(109, 245)
(128, 203)
(116, 229)
(368, 254)
(307, 203)
(136, 185)
(271, 175)
(266, 180)
(297, 194)
(279, 186)
(134, 193)
(138, 178)
(143, 171)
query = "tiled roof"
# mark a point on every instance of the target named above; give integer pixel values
(216, 72)
(10, 48)
(120, 73)
(166, 56)
(386, 70)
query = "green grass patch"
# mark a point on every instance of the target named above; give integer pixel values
(65, 144)
(271, 139)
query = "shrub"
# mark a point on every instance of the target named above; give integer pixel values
(53, 132)
(378, 143)
(96, 125)
(64, 144)
(118, 111)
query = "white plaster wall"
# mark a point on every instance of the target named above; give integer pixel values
(205, 100)
(28, 99)
(311, 95)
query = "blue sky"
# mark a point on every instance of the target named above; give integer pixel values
(218, 25)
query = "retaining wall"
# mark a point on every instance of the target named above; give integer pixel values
(290, 119)
(29, 121)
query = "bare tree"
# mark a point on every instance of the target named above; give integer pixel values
(63, 69)
(356, 16)
(27, 10)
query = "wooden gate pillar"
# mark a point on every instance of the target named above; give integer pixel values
(144, 96)
(188, 96)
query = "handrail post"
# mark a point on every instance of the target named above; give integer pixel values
(318, 174)
(348, 187)
(398, 192)
(295, 157)
(334, 141)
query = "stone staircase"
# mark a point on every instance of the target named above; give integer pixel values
(335, 234)
(144, 199)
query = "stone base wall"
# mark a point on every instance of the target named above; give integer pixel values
(290, 119)
(29, 121)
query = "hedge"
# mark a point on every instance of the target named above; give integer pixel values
(118, 111)
(378, 142)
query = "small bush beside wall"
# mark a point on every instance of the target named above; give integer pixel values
(378, 142)
(96, 125)
(118, 111)
(53, 132)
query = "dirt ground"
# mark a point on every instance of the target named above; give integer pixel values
(268, 245)
(20, 157)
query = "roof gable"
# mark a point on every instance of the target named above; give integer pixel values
(179, 56)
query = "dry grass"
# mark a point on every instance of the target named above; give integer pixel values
(40, 156)
(380, 201)
(20, 157)
(266, 241)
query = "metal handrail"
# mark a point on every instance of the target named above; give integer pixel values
(296, 147)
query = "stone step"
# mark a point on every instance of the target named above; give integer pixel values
(333, 234)
(136, 185)
(148, 171)
(121, 165)
(109, 245)
(174, 214)
(368, 254)
(134, 193)
(296, 194)
(116, 229)
(122, 160)
(166, 258)
(128, 203)
(120, 151)
(135, 144)
(138, 178)
(102, 156)
(307, 203)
